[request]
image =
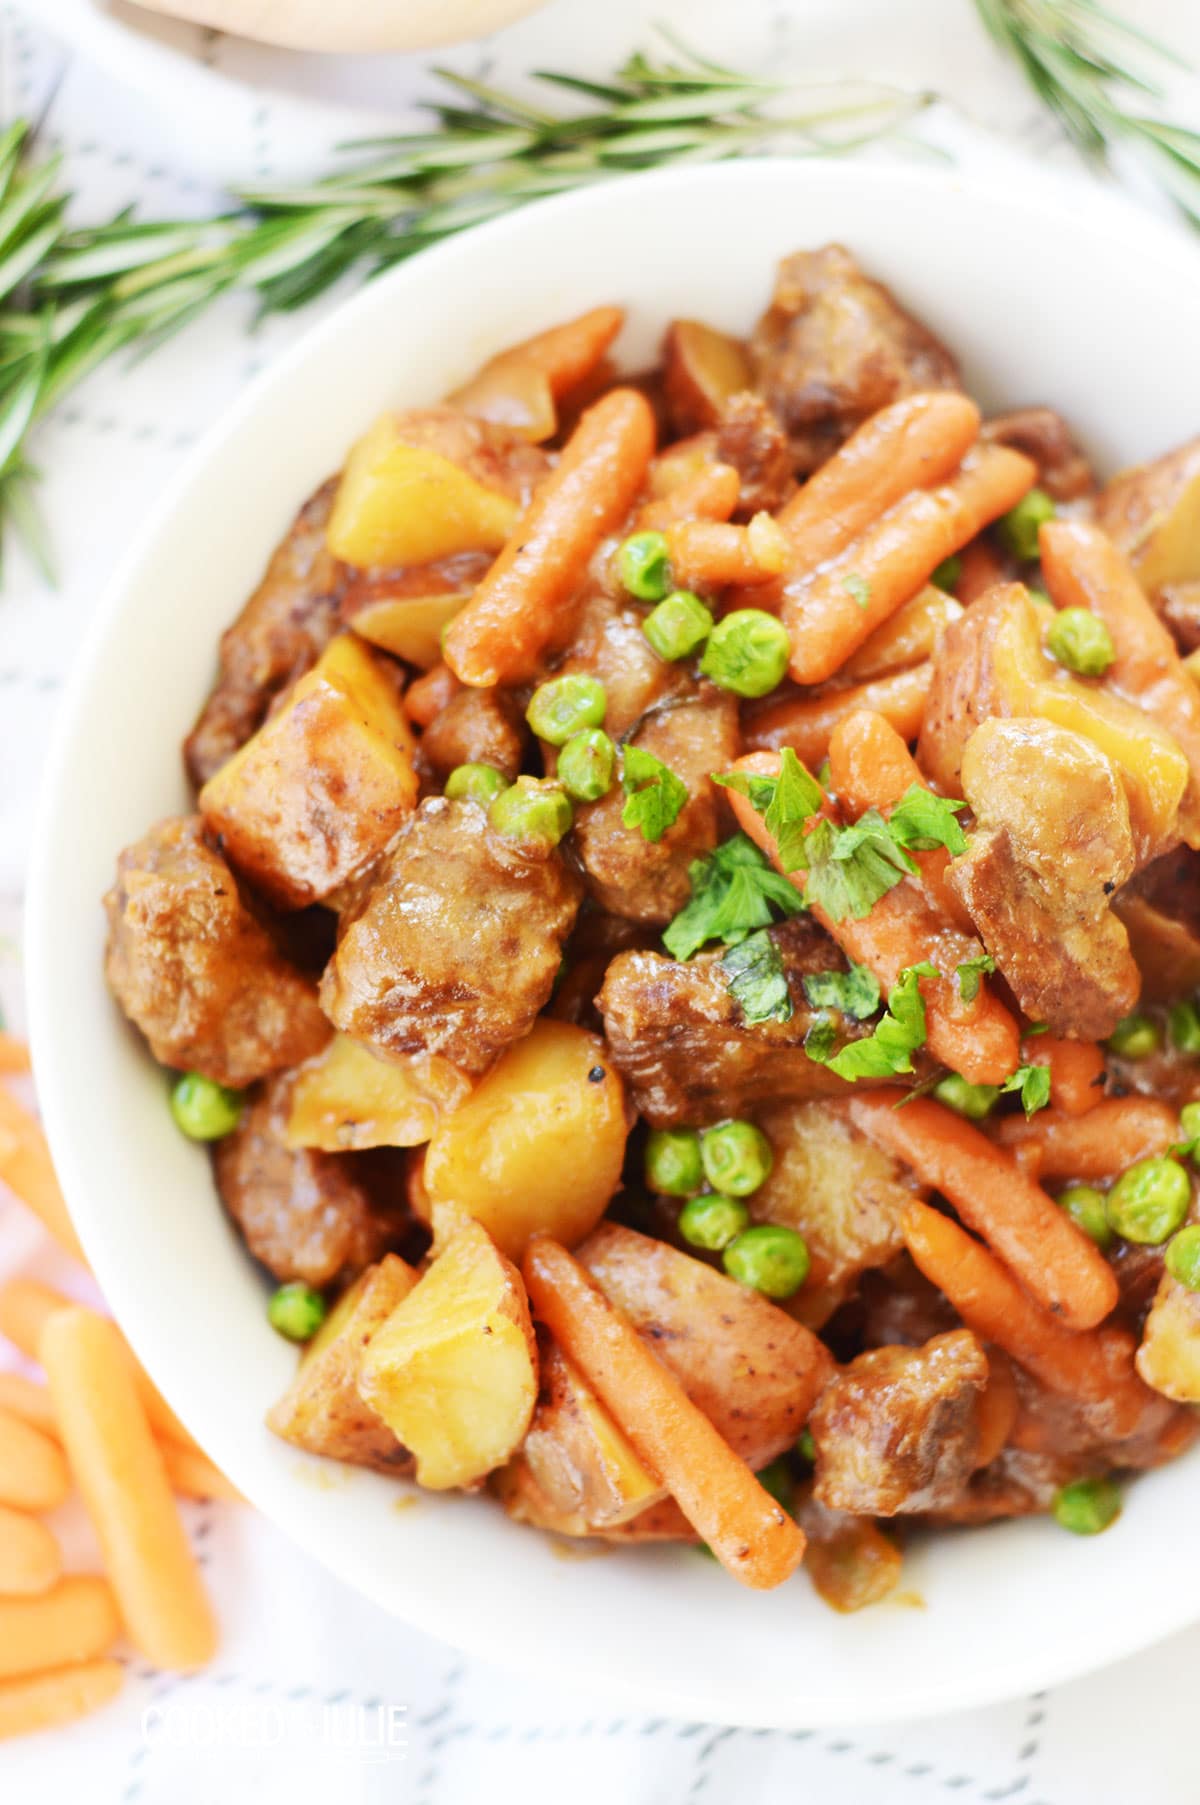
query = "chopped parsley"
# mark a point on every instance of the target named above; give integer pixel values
(899, 1034)
(858, 589)
(971, 974)
(757, 979)
(734, 891)
(654, 795)
(850, 868)
(921, 820)
(786, 803)
(1032, 1082)
(855, 993)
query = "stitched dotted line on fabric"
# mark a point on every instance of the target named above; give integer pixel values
(141, 433)
(427, 1779)
(46, 682)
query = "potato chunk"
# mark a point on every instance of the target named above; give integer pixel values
(347, 1099)
(323, 785)
(401, 502)
(453, 1370)
(321, 1411)
(1152, 513)
(702, 368)
(580, 1459)
(539, 1144)
(1169, 1357)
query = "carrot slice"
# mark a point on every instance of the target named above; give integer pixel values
(120, 1472)
(44, 1700)
(501, 633)
(26, 1168)
(30, 1558)
(73, 1621)
(806, 723)
(834, 609)
(33, 1473)
(1114, 1134)
(752, 1537)
(1051, 1257)
(1076, 1071)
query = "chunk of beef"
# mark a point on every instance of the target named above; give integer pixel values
(898, 1429)
(280, 634)
(455, 948)
(1160, 907)
(647, 880)
(305, 1215)
(683, 1046)
(476, 727)
(609, 644)
(750, 438)
(1044, 436)
(833, 347)
(1052, 843)
(972, 681)
(850, 1561)
(1016, 1484)
(900, 1306)
(196, 971)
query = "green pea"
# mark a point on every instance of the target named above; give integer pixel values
(475, 783)
(1149, 1201)
(1086, 1207)
(713, 1221)
(1080, 640)
(736, 1157)
(1189, 1122)
(971, 1100)
(296, 1311)
(776, 1480)
(565, 706)
(806, 1447)
(947, 573)
(747, 652)
(679, 625)
(673, 1167)
(532, 809)
(1086, 1506)
(1018, 528)
(644, 566)
(768, 1258)
(205, 1111)
(1182, 1258)
(1183, 1025)
(1135, 1038)
(587, 764)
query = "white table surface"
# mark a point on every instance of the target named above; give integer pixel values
(315, 1690)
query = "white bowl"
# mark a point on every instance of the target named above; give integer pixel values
(1060, 296)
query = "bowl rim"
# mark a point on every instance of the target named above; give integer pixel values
(1058, 198)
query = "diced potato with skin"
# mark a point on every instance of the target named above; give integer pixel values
(525, 1502)
(908, 638)
(404, 503)
(453, 1370)
(322, 1410)
(753, 1372)
(581, 1460)
(539, 1144)
(347, 1098)
(701, 369)
(1153, 514)
(320, 789)
(842, 1194)
(1169, 1357)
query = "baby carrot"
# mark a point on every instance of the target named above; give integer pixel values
(708, 493)
(806, 723)
(33, 1473)
(193, 1475)
(29, 1400)
(1051, 1257)
(42, 1701)
(568, 353)
(1116, 1133)
(30, 1559)
(997, 1408)
(501, 633)
(73, 1621)
(1076, 1071)
(752, 1537)
(25, 1167)
(830, 612)
(712, 554)
(120, 1472)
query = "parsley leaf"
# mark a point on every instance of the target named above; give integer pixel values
(858, 589)
(1033, 1083)
(786, 803)
(902, 1030)
(971, 974)
(654, 795)
(733, 892)
(821, 1039)
(922, 820)
(757, 979)
(850, 868)
(855, 992)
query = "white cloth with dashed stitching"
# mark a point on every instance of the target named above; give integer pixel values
(315, 1691)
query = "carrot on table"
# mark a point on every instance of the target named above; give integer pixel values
(806, 723)
(33, 1473)
(830, 612)
(120, 1472)
(193, 1475)
(746, 1529)
(30, 1558)
(1116, 1133)
(708, 493)
(1093, 1365)
(42, 1701)
(14, 1054)
(25, 1168)
(500, 634)
(1076, 1071)
(713, 554)
(1053, 1259)
(74, 1621)
(29, 1400)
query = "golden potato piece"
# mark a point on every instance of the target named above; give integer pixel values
(581, 1460)
(909, 637)
(1153, 514)
(539, 1144)
(1169, 1357)
(404, 503)
(702, 368)
(453, 1370)
(410, 626)
(322, 1411)
(347, 1099)
(323, 785)
(525, 1502)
